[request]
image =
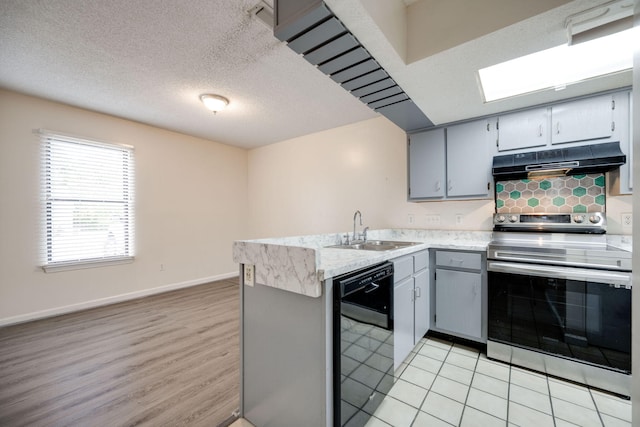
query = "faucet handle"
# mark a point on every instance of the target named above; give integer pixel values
(364, 234)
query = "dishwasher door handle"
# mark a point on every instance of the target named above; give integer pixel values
(370, 288)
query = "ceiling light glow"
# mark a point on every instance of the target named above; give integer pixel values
(214, 103)
(560, 66)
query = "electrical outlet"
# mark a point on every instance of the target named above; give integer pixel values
(459, 219)
(411, 219)
(432, 219)
(627, 220)
(249, 276)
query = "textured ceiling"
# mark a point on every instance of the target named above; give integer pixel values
(149, 60)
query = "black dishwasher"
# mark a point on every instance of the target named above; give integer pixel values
(363, 342)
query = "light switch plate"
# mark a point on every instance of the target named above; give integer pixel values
(249, 274)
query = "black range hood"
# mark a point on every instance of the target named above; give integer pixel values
(594, 158)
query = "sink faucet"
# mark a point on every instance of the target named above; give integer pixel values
(355, 215)
(364, 234)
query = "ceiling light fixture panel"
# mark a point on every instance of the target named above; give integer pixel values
(214, 103)
(560, 66)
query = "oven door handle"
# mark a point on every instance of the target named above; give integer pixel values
(583, 274)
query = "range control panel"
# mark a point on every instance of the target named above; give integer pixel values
(592, 222)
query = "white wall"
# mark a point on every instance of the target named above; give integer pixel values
(314, 184)
(191, 204)
(195, 197)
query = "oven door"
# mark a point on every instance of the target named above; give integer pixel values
(573, 313)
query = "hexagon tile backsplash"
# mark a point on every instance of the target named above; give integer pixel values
(566, 194)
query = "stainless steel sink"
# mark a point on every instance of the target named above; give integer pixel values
(376, 245)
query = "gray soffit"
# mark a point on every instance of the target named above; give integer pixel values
(320, 37)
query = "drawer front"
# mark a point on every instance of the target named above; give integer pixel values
(420, 261)
(402, 268)
(459, 260)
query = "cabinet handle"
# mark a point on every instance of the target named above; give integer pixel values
(449, 185)
(557, 128)
(540, 130)
(458, 260)
(437, 185)
(417, 292)
(413, 295)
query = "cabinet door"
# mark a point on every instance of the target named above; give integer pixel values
(582, 120)
(459, 302)
(427, 164)
(402, 321)
(525, 129)
(421, 305)
(469, 159)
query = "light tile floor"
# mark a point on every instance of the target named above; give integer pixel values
(445, 384)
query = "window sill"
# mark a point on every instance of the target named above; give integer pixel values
(80, 265)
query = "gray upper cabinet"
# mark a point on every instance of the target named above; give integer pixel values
(469, 157)
(584, 119)
(455, 163)
(589, 120)
(427, 165)
(452, 164)
(525, 129)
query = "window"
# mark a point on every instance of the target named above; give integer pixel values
(88, 190)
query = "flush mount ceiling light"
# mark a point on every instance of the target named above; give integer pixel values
(214, 103)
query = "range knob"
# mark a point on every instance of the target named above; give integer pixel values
(513, 218)
(500, 218)
(579, 219)
(594, 219)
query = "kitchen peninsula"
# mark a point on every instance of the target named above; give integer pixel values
(287, 317)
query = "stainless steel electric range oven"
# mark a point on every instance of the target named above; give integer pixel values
(560, 302)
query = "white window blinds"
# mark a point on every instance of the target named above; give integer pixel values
(88, 190)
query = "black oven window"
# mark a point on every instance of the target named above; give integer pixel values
(580, 320)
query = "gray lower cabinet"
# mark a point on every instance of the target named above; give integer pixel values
(459, 294)
(410, 303)
(402, 320)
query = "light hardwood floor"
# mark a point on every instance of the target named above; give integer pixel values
(168, 359)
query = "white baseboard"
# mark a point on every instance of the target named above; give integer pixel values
(110, 300)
